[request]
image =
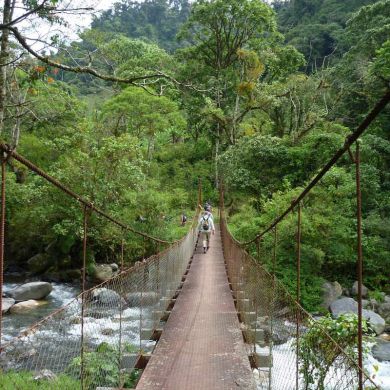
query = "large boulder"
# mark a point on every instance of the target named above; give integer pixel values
(342, 306)
(381, 350)
(107, 297)
(6, 304)
(280, 334)
(147, 298)
(384, 311)
(385, 336)
(39, 263)
(45, 375)
(354, 290)
(103, 272)
(330, 292)
(349, 305)
(376, 321)
(25, 306)
(32, 290)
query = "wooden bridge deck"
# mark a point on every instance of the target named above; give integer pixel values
(201, 347)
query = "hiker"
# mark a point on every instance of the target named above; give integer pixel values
(206, 227)
(183, 219)
(207, 209)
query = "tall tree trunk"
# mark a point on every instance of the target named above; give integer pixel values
(4, 59)
(234, 124)
(216, 157)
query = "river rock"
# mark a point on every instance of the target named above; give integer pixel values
(346, 292)
(45, 375)
(381, 350)
(373, 304)
(349, 305)
(385, 336)
(354, 290)
(376, 321)
(387, 299)
(39, 263)
(114, 267)
(330, 292)
(342, 306)
(365, 303)
(32, 290)
(147, 298)
(384, 311)
(103, 272)
(107, 297)
(107, 332)
(6, 304)
(280, 332)
(22, 307)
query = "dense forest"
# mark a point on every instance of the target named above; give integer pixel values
(259, 95)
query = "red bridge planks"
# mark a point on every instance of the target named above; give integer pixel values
(201, 347)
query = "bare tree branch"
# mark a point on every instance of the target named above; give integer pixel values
(24, 16)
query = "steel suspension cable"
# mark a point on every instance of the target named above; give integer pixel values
(349, 141)
(11, 153)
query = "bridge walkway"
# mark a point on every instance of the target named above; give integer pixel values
(201, 346)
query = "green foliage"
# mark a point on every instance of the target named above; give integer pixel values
(12, 380)
(263, 164)
(101, 368)
(328, 236)
(318, 352)
(143, 115)
(317, 27)
(381, 66)
(239, 101)
(156, 20)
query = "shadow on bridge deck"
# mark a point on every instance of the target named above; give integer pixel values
(201, 346)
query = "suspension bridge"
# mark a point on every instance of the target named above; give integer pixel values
(182, 319)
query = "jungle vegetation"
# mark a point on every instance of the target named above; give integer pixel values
(263, 95)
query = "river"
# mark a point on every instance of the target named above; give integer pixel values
(13, 324)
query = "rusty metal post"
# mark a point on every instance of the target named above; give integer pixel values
(120, 352)
(83, 275)
(2, 229)
(272, 304)
(359, 262)
(298, 239)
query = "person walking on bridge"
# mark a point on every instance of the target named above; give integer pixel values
(206, 227)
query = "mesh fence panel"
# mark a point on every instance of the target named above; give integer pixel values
(98, 338)
(271, 320)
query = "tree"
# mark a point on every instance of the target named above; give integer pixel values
(141, 114)
(15, 44)
(231, 54)
(155, 20)
(317, 27)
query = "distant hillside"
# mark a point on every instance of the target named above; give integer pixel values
(315, 27)
(154, 20)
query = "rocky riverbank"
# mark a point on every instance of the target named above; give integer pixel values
(338, 300)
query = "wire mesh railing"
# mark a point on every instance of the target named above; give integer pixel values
(102, 337)
(273, 323)
(99, 337)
